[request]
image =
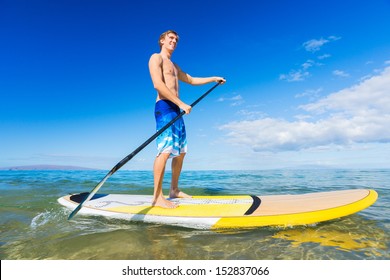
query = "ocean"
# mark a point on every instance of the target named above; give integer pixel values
(33, 226)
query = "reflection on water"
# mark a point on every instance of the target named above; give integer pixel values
(348, 234)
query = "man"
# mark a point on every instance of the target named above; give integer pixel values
(171, 143)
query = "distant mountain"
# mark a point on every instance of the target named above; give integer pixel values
(46, 167)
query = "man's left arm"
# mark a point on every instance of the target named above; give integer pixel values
(185, 77)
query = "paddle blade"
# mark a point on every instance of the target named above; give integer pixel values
(91, 194)
(75, 211)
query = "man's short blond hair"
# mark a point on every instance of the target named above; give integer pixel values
(162, 36)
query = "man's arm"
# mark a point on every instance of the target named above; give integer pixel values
(185, 77)
(155, 69)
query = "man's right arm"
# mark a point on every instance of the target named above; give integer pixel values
(156, 73)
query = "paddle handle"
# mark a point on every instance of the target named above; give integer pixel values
(136, 151)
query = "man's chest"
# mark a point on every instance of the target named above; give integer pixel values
(169, 68)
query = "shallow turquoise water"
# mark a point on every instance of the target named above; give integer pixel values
(34, 226)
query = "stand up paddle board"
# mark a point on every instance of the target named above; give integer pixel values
(215, 212)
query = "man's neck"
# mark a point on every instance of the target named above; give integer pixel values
(166, 53)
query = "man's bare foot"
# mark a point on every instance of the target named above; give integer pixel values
(179, 194)
(163, 203)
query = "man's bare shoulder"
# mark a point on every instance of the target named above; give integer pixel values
(156, 57)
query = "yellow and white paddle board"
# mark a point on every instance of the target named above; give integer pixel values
(233, 211)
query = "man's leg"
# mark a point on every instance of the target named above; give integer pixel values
(159, 170)
(177, 164)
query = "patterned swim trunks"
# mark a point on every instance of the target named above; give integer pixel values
(173, 140)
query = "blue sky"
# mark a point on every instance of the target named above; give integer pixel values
(308, 82)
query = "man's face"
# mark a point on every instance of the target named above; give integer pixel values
(170, 41)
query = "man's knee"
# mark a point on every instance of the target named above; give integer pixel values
(179, 157)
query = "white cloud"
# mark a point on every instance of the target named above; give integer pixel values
(369, 95)
(295, 75)
(320, 57)
(223, 99)
(340, 73)
(310, 93)
(302, 73)
(315, 45)
(358, 114)
(306, 65)
(250, 114)
(235, 100)
(334, 38)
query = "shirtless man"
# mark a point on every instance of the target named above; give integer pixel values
(171, 143)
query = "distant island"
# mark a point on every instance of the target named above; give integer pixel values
(46, 167)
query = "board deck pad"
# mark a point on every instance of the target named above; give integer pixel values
(232, 211)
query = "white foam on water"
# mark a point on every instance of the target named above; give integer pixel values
(40, 219)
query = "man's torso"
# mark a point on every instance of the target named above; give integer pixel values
(170, 76)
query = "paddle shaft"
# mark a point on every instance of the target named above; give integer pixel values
(136, 151)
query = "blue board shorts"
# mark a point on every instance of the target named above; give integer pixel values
(173, 140)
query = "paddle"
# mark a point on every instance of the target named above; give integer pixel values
(136, 151)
